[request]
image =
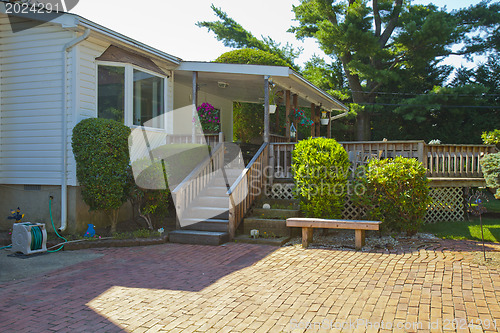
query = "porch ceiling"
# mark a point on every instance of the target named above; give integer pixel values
(245, 83)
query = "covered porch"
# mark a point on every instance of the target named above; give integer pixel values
(222, 84)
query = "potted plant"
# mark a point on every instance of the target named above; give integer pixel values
(209, 118)
(324, 120)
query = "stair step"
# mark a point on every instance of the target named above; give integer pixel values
(215, 191)
(206, 212)
(206, 225)
(198, 237)
(214, 201)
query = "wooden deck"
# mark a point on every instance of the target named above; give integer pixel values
(447, 165)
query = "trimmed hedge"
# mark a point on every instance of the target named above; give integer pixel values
(251, 56)
(320, 168)
(490, 165)
(101, 152)
(396, 193)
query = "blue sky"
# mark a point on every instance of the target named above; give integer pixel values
(170, 25)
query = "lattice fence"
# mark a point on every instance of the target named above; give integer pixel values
(280, 191)
(447, 205)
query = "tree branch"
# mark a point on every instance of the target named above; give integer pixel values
(376, 15)
(392, 23)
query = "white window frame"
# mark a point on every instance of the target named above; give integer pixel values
(129, 92)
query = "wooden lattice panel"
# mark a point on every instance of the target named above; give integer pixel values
(281, 191)
(447, 205)
(351, 212)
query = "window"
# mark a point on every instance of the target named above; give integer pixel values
(130, 95)
(111, 93)
(148, 99)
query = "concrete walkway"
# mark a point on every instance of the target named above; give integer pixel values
(247, 288)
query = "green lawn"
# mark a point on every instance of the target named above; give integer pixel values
(466, 229)
(493, 205)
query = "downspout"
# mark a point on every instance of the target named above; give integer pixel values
(64, 182)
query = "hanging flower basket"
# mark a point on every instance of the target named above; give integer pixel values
(272, 108)
(209, 118)
(324, 121)
(301, 118)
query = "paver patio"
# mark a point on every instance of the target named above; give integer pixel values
(244, 287)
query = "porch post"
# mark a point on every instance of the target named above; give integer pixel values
(317, 121)
(195, 103)
(313, 118)
(329, 126)
(266, 108)
(288, 107)
(295, 122)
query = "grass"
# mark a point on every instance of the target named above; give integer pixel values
(466, 229)
(493, 205)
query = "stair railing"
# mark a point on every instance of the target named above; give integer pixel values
(189, 189)
(247, 187)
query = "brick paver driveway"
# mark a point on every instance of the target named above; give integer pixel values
(241, 287)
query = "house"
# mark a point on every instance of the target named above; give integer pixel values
(57, 73)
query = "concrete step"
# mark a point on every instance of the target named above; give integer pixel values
(206, 225)
(198, 237)
(272, 227)
(275, 213)
(204, 212)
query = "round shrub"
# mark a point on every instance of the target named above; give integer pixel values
(396, 193)
(251, 56)
(101, 152)
(490, 165)
(320, 168)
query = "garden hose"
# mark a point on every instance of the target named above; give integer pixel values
(36, 238)
(6, 247)
(52, 221)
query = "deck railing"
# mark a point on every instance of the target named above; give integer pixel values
(197, 180)
(211, 139)
(455, 161)
(249, 185)
(275, 138)
(441, 161)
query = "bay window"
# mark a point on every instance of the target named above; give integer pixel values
(131, 95)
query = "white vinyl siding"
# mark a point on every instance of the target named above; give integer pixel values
(31, 103)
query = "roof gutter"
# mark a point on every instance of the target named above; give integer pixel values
(319, 91)
(64, 139)
(339, 116)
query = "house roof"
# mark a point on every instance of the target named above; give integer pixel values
(245, 83)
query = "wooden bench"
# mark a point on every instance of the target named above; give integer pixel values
(307, 225)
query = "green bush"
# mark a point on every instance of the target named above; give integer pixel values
(251, 56)
(491, 138)
(396, 192)
(320, 168)
(490, 165)
(101, 152)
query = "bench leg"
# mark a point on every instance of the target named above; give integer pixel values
(359, 239)
(307, 237)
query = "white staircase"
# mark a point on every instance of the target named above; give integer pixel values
(206, 220)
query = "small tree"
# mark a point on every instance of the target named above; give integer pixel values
(396, 193)
(320, 167)
(101, 152)
(149, 203)
(490, 165)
